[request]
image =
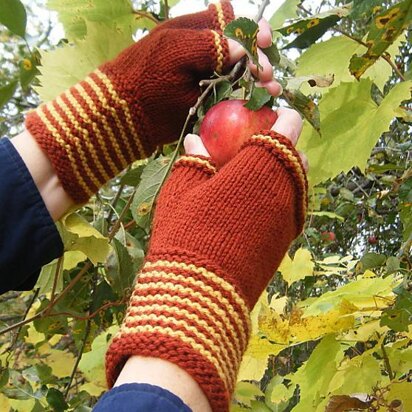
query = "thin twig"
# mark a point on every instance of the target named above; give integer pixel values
(385, 56)
(387, 363)
(262, 8)
(56, 278)
(114, 203)
(145, 15)
(166, 5)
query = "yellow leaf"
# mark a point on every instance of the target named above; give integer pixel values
(278, 305)
(80, 235)
(298, 268)
(19, 405)
(60, 361)
(72, 258)
(94, 389)
(4, 403)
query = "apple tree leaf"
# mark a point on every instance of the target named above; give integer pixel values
(259, 97)
(65, 66)
(312, 80)
(311, 29)
(362, 7)
(305, 106)
(75, 14)
(152, 177)
(286, 11)
(244, 31)
(348, 111)
(13, 16)
(384, 30)
(7, 92)
(272, 54)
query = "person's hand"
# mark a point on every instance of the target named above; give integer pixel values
(217, 239)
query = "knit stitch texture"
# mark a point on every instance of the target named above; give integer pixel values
(217, 240)
(129, 106)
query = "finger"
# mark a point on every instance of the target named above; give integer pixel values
(236, 51)
(289, 124)
(305, 160)
(265, 73)
(264, 36)
(194, 146)
(272, 86)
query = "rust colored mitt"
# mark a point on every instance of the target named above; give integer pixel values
(127, 107)
(217, 240)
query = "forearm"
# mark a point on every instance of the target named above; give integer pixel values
(57, 201)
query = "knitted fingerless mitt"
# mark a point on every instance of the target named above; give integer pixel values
(217, 241)
(126, 108)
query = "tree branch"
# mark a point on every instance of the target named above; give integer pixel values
(261, 10)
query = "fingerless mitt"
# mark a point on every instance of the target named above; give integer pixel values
(217, 240)
(127, 107)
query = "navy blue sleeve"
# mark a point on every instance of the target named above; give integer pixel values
(140, 397)
(28, 236)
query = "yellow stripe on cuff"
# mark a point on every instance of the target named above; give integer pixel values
(219, 50)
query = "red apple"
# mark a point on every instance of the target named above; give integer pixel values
(228, 124)
(372, 240)
(328, 236)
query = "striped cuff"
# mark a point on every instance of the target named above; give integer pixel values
(283, 150)
(199, 162)
(222, 15)
(190, 316)
(88, 133)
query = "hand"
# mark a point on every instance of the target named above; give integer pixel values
(217, 239)
(289, 124)
(130, 105)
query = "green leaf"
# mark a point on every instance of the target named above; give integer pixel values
(152, 177)
(287, 11)
(384, 30)
(4, 377)
(246, 392)
(314, 376)
(75, 15)
(362, 292)
(351, 124)
(28, 70)
(310, 29)
(92, 363)
(305, 106)
(67, 65)
(56, 400)
(336, 54)
(260, 96)
(132, 177)
(361, 7)
(372, 260)
(13, 16)
(272, 54)
(244, 31)
(7, 92)
(119, 268)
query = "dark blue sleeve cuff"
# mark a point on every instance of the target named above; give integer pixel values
(28, 236)
(140, 397)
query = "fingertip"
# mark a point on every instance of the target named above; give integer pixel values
(272, 86)
(194, 146)
(264, 36)
(289, 124)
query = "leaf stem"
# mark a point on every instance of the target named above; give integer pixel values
(166, 6)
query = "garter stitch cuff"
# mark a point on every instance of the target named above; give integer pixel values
(129, 106)
(218, 238)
